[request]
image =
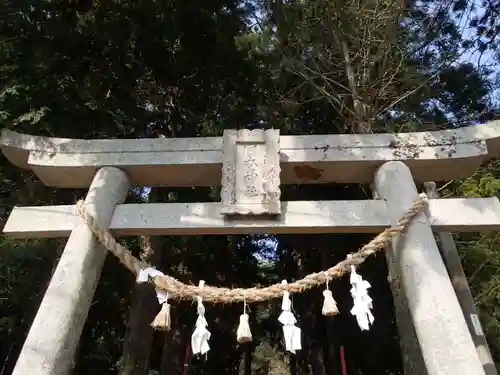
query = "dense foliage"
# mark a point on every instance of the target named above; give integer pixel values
(187, 68)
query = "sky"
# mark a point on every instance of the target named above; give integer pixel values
(269, 245)
(473, 55)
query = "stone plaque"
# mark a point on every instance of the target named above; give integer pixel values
(251, 172)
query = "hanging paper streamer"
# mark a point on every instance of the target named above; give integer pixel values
(329, 305)
(362, 301)
(145, 274)
(291, 332)
(201, 335)
(243, 334)
(162, 320)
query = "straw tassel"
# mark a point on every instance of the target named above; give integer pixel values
(243, 333)
(162, 320)
(329, 305)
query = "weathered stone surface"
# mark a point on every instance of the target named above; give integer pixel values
(54, 335)
(453, 264)
(445, 343)
(251, 172)
(438, 156)
(360, 216)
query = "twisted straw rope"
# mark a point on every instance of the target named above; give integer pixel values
(179, 290)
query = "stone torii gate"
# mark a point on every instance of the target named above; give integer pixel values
(250, 166)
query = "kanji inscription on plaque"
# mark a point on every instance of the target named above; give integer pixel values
(251, 172)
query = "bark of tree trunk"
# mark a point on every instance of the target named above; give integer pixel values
(317, 364)
(329, 347)
(173, 353)
(144, 307)
(248, 359)
(359, 122)
(139, 336)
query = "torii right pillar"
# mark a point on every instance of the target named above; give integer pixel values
(445, 344)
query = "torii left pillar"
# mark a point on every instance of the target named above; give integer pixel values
(53, 338)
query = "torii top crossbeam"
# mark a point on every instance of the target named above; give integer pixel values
(431, 156)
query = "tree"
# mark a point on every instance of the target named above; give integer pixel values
(191, 68)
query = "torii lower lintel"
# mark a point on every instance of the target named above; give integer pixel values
(156, 219)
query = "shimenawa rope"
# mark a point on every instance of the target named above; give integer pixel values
(179, 290)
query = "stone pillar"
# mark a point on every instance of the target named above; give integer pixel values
(54, 335)
(440, 327)
(458, 279)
